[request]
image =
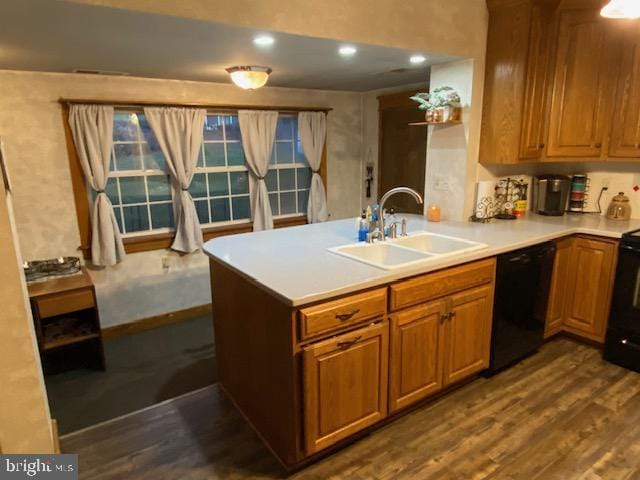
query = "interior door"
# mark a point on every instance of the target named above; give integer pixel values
(582, 85)
(416, 354)
(468, 333)
(403, 149)
(345, 385)
(625, 131)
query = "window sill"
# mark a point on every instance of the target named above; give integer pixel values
(159, 241)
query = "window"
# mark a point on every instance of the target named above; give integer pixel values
(140, 188)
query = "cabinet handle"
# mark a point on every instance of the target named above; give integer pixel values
(347, 315)
(541, 145)
(637, 145)
(598, 145)
(444, 317)
(451, 315)
(349, 343)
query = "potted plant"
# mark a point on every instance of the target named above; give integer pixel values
(441, 105)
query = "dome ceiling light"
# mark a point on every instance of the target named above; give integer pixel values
(620, 9)
(249, 77)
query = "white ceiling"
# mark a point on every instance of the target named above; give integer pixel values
(60, 36)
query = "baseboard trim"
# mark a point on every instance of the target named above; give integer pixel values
(156, 321)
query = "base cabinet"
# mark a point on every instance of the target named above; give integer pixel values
(416, 369)
(468, 333)
(345, 385)
(581, 287)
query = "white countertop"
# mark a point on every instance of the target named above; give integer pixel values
(295, 265)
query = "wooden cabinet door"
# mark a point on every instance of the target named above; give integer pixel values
(582, 84)
(558, 290)
(345, 385)
(415, 369)
(625, 131)
(468, 333)
(591, 272)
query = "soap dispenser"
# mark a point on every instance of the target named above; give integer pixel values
(619, 208)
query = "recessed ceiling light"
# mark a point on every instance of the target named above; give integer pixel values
(417, 58)
(347, 50)
(263, 40)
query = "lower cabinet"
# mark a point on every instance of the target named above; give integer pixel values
(345, 385)
(581, 287)
(416, 354)
(439, 343)
(591, 276)
(468, 333)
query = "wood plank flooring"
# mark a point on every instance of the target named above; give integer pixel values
(563, 413)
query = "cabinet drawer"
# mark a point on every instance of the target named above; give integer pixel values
(66, 302)
(341, 313)
(438, 284)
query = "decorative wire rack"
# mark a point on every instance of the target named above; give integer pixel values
(55, 267)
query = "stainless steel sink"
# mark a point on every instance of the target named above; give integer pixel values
(420, 247)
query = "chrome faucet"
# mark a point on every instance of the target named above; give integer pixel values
(386, 196)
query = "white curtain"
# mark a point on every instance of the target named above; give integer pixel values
(258, 130)
(180, 132)
(312, 129)
(92, 129)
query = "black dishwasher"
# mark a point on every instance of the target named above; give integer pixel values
(523, 279)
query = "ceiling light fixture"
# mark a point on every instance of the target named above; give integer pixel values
(417, 58)
(347, 50)
(620, 9)
(249, 77)
(263, 40)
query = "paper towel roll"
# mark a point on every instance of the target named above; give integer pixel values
(485, 199)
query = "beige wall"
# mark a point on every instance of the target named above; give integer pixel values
(32, 125)
(24, 411)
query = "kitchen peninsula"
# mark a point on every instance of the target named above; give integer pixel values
(314, 348)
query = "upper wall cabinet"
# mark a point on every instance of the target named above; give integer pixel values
(582, 85)
(562, 83)
(625, 131)
(518, 49)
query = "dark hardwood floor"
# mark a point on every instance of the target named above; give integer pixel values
(563, 413)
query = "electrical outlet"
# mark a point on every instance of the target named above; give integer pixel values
(443, 183)
(166, 262)
(606, 182)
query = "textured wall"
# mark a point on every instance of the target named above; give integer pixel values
(24, 412)
(31, 124)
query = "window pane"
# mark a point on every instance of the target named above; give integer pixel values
(125, 127)
(111, 190)
(135, 218)
(214, 154)
(304, 177)
(198, 187)
(162, 215)
(152, 156)
(132, 190)
(272, 159)
(235, 154)
(218, 184)
(118, 213)
(213, 127)
(300, 158)
(202, 208)
(272, 180)
(241, 207)
(273, 200)
(284, 152)
(158, 187)
(127, 156)
(284, 130)
(200, 161)
(287, 203)
(287, 178)
(303, 199)
(220, 209)
(239, 182)
(231, 127)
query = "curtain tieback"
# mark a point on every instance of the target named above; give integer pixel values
(261, 178)
(316, 171)
(185, 189)
(99, 191)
